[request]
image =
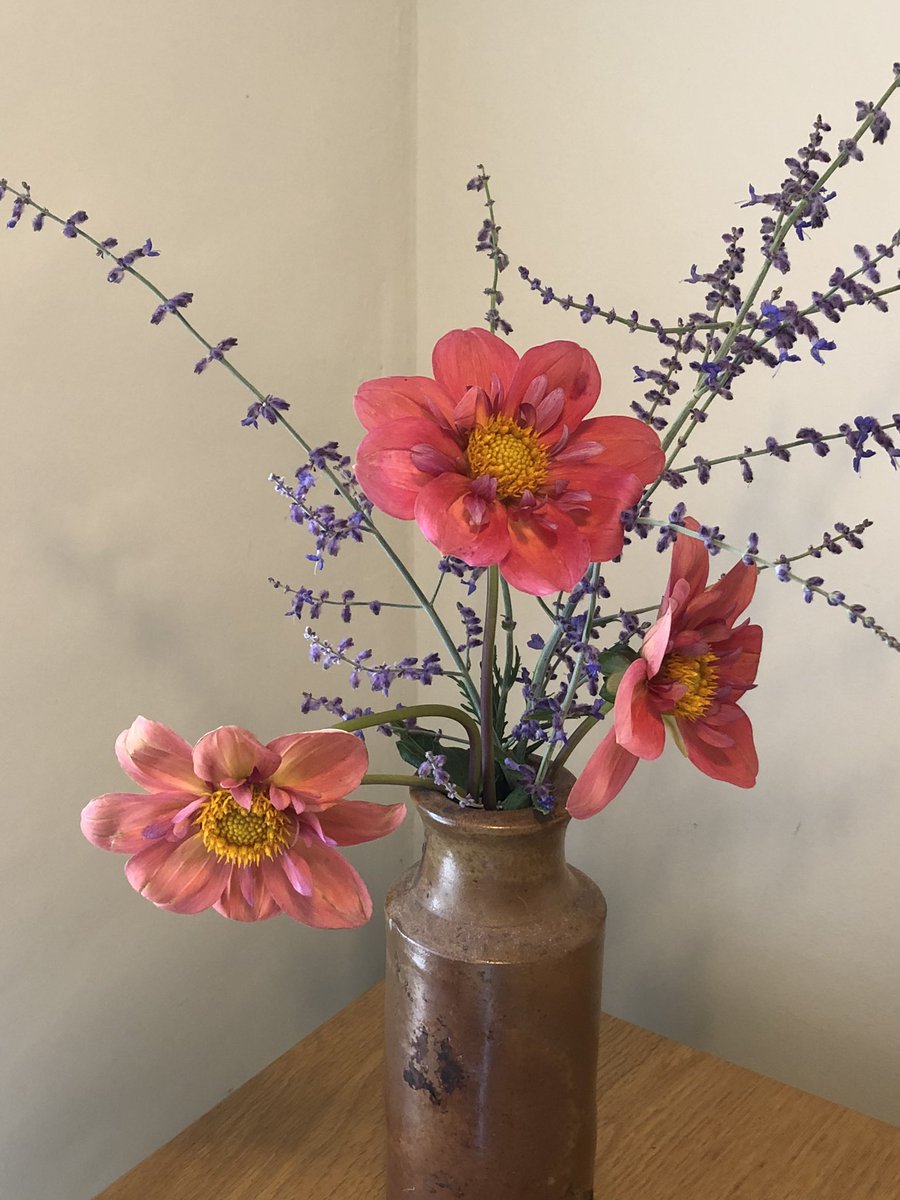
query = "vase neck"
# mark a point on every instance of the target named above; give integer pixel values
(510, 865)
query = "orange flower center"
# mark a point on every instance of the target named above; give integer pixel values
(239, 836)
(700, 677)
(510, 454)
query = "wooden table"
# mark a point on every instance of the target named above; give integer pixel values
(675, 1124)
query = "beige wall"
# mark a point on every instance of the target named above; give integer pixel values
(761, 925)
(271, 154)
(268, 152)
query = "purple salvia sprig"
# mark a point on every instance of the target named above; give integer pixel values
(488, 242)
(335, 706)
(362, 515)
(322, 521)
(19, 202)
(329, 530)
(267, 408)
(468, 576)
(541, 793)
(857, 435)
(781, 566)
(588, 309)
(380, 676)
(70, 228)
(854, 435)
(216, 354)
(304, 598)
(434, 766)
(472, 629)
(172, 304)
(125, 262)
(567, 659)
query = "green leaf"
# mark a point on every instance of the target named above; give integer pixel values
(414, 744)
(517, 798)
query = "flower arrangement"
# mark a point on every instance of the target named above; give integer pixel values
(498, 459)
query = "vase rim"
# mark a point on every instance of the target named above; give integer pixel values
(441, 810)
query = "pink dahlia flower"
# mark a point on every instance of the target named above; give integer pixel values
(246, 829)
(694, 667)
(494, 459)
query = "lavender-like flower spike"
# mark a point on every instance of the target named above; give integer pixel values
(856, 438)
(180, 300)
(268, 409)
(434, 767)
(217, 354)
(117, 274)
(488, 242)
(18, 206)
(69, 229)
(541, 795)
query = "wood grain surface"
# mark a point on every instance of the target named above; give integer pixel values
(675, 1124)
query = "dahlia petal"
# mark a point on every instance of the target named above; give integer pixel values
(245, 882)
(117, 820)
(690, 562)
(154, 756)
(357, 821)
(627, 443)
(446, 515)
(739, 657)
(430, 460)
(611, 492)
(386, 469)
(382, 400)
(656, 641)
(639, 727)
(182, 877)
(725, 600)
(298, 873)
(605, 774)
(473, 409)
(736, 763)
(712, 736)
(549, 410)
(229, 755)
(542, 559)
(234, 904)
(466, 358)
(565, 365)
(340, 899)
(323, 765)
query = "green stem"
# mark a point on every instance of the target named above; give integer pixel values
(604, 621)
(574, 738)
(488, 783)
(396, 716)
(408, 781)
(575, 678)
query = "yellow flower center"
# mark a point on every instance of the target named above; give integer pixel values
(239, 836)
(700, 677)
(512, 455)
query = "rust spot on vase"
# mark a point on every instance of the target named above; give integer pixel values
(432, 1067)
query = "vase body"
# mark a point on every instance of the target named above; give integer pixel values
(494, 959)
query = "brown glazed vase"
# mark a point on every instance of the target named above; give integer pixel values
(494, 959)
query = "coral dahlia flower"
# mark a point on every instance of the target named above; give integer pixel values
(246, 829)
(494, 459)
(695, 665)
